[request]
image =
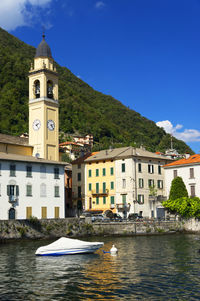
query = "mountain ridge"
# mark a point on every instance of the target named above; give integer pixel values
(82, 108)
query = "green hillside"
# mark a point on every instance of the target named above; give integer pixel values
(82, 109)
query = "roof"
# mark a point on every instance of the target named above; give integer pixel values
(43, 49)
(83, 158)
(124, 152)
(190, 161)
(14, 140)
(69, 143)
(29, 159)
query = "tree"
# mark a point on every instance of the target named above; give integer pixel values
(178, 189)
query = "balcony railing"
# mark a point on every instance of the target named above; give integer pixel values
(100, 192)
(124, 206)
(12, 199)
(157, 198)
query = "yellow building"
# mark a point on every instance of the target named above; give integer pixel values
(100, 184)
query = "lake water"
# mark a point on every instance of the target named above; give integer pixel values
(163, 267)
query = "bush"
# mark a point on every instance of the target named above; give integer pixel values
(178, 189)
(185, 207)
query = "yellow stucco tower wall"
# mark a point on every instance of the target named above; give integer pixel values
(43, 105)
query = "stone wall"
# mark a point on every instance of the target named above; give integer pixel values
(74, 227)
(192, 225)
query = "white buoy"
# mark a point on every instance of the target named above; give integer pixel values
(113, 250)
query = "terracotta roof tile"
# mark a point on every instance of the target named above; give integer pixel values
(192, 159)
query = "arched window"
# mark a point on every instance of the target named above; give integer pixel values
(50, 89)
(37, 88)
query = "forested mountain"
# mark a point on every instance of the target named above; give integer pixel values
(82, 109)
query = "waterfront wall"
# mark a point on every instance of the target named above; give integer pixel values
(192, 225)
(74, 227)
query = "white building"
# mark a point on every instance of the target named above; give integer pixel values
(30, 187)
(140, 182)
(189, 170)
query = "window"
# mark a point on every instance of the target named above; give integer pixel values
(112, 200)
(111, 185)
(175, 173)
(123, 167)
(79, 192)
(104, 187)
(111, 171)
(42, 172)
(123, 183)
(159, 170)
(192, 189)
(12, 190)
(29, 171)
(124, 198)
(28, 190)
(28, 212)
(89, 173)
(56, 173)
(79, 166)
(12, 170)
(151, 183)
(79, 176)
(141, 183)
(56, 191)
(160, 184)
(140, 199)
(97, 200)
(191, 173)
(97, 172)
(56, 212)
(90, 187)
(139, 167)
(104, 200)
(150, 168)
(97, 187)
(43, 190)
(44, 212)
(103, 171)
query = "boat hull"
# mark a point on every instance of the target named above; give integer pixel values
(68, 247)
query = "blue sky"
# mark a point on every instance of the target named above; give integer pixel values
(145, 53)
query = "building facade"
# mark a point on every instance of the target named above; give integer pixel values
(30, 187)
(189, 170)
(137, 182)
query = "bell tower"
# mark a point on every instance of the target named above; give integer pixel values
(43, 105)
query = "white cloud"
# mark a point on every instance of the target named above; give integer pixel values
(99, 4)
(187, 135)
(16, 13)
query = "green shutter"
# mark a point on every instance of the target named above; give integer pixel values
(112, 200)
(90, 186)
(97, 201)
(104, 187)
(111, 185)
(104, 200)
(97, 187)
(89, 172)
(97, 172)
(104, 171)
(111, 171)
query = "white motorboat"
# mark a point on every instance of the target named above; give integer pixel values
(67, 246)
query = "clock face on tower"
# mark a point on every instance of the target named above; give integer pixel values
(36, 124)
(51, 125)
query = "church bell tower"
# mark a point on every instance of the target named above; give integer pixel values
(43, 105)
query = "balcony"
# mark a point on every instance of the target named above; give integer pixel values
(12, 199)
(124, 206)
(101, 192)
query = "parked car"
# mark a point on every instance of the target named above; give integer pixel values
(117, 217)
(98, 217)
(85, 214)
(134, 216)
